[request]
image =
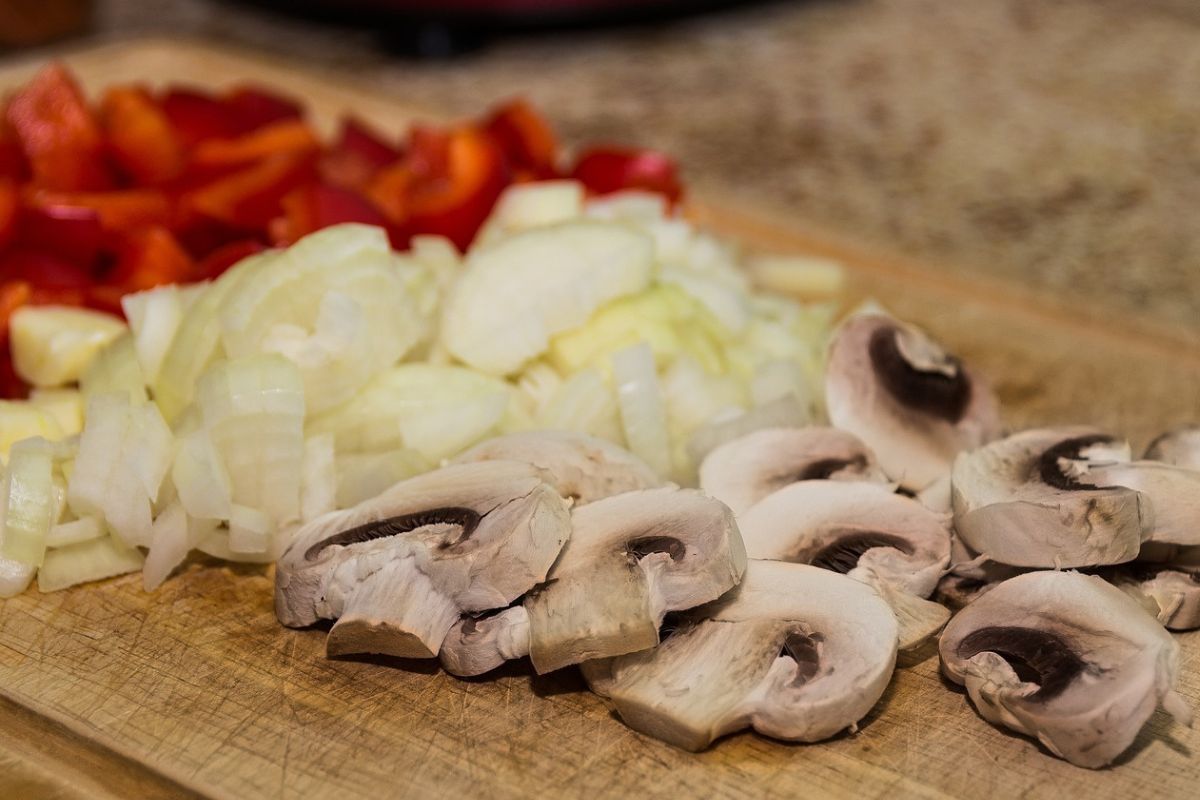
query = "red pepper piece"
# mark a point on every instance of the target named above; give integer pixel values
(287, 137)
(42, 271)
(225, 257)
(251, 108)
(58, 134)
(13, 295)
(12, 160)
(8, 211)
(356, 156)
(317, 205)
(150, 257)
(140, 136)
(453, 198)
(611, 169)
(526, 138)
(389, 189)
(250, 198)
(197, 116)
(117, 211)
(74, 233)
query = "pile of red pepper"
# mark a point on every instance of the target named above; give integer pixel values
(147, 188)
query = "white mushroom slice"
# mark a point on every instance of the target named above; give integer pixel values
(1021, 501)
(1179, 447)
(583, 468)
(397, 571)
(936, 496)
(863, 530)
(913, 404)
(1067, 658)
(1173, 492)
(742, 472)
(1173, 592)
(631, 559)
(966, 563)
(795, 652)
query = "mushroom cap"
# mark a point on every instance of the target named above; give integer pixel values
(1067, 658)
(1173, 493)
(913, 404)
(1180, 447)
(795, 652)
(742, 472)
(1005, 508)
(1173, 592)
(847, 527)
(631, 558)
(583, 468)
(397, 571)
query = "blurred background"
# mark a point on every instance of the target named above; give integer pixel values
(1051, 144)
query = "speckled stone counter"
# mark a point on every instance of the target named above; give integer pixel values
(1049, 143)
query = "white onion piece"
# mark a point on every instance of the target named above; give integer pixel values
(361, 476)
(115, 369)
(643, 412)
(85, 562)
(318, 482)
(76, 531)
(14, 577)
(29, 501)
(253, 409)
(694, 396)
(216, 544)
(586, 404)
(249, 530)
(169, 546)
(200, 478)
(154, 317)
(20, 419)
(785, 412)
(523, 206)
(53, 345)
(65, 405)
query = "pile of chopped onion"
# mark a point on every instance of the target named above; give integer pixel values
(309, 379)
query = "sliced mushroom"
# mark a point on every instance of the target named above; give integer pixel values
(1067, 658)
(955, 591)
(583, 468)
(1023, 501)
(742, 472)
(631, 559)
(397, 571)
(1179, 447)
(795, 652)
(1173, 592)
(863, 530)
(1173, 494)
(913, 404)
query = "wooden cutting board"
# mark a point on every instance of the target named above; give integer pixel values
(106, 691)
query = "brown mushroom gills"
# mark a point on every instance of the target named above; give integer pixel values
(465, 519)
(842, 555)
(943, 394)
(1049, 467)
(805, 650)
(1036, 656)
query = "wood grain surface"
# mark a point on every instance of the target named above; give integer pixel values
(106, 691)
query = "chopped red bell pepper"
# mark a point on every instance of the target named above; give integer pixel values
(42, 270)
(225, 257)
(118, 211)
(196, 116)
(8, 211)
(12, 160)
(251, 108)
(140, 136)
(357, 155)
(526, 138)
(611, 169)
(318, 205)
(287, 137)
(58, 134)
(389, 189)
(150, 257)
(454, 197)
(74, 233)
(249, 199)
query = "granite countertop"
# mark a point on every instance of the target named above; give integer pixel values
(1053, 144)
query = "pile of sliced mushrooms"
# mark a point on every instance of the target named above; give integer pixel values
(778, 595)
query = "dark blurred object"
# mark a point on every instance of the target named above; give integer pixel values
(30, 22)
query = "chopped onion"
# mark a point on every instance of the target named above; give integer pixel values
(154, 316)
(318, 485)
(169, 546)
(115, 369)
(65, 405)
(361, 476)
(79, 530)
(200, 478)
(21, 419)
(786, 412)
(216, 544)
(249, 530)
(584, 403)
(29, 501)
(643, 412)
(53, 345)
(524, 206)
(87, 561)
